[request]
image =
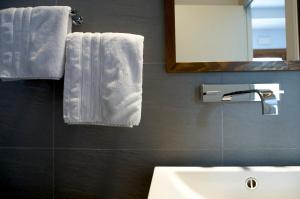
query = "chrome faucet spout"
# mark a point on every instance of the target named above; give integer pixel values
(267, 94)
(268, 100)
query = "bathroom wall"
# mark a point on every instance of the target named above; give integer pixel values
(41, 157)
(219, 28)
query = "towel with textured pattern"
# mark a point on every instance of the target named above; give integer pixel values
(103, 79)
(32, 42)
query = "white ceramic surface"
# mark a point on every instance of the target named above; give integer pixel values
(225, 183)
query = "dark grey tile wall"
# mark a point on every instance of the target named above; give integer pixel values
(41, 157)
(26, 173)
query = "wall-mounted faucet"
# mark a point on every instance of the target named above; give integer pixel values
(268, 100)
(267, 94)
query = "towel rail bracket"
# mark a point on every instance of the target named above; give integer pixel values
(76, 18)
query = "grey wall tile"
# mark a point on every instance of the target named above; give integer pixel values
(26, 113)
(118, 174)
(245, 126)
(26, 174)
(177, 129)
(26, 3)
(167, 122)
(174, 90)
(135, 16)
(248, 128)
(251, 77)
(264, 157)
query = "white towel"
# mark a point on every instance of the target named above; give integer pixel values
(32, 42)
(103, 79)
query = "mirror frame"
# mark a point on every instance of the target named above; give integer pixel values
(178, 67)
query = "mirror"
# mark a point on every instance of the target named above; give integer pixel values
(232, 35)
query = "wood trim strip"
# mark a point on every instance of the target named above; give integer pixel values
(170, 48)
(270, 53)
(236, 66)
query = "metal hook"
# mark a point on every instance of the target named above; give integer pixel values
(76, 18)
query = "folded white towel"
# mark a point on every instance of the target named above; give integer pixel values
(32, 42)
(103, 79)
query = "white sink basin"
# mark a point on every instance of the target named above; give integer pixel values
(225, 183)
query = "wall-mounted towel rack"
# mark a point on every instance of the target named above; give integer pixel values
(76, 18)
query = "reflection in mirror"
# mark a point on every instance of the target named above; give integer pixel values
(268, 29)
(236, 30)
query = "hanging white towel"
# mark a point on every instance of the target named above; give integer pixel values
(32, 42)
(103, 79)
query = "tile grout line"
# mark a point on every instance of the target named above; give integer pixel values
(222, 134)
(140, 149)
(52, 140)
(53, 132)
(25, 148)
(154, 63)
(222, 127)
(132, 149)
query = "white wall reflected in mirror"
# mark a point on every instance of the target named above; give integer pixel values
(236, 30)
